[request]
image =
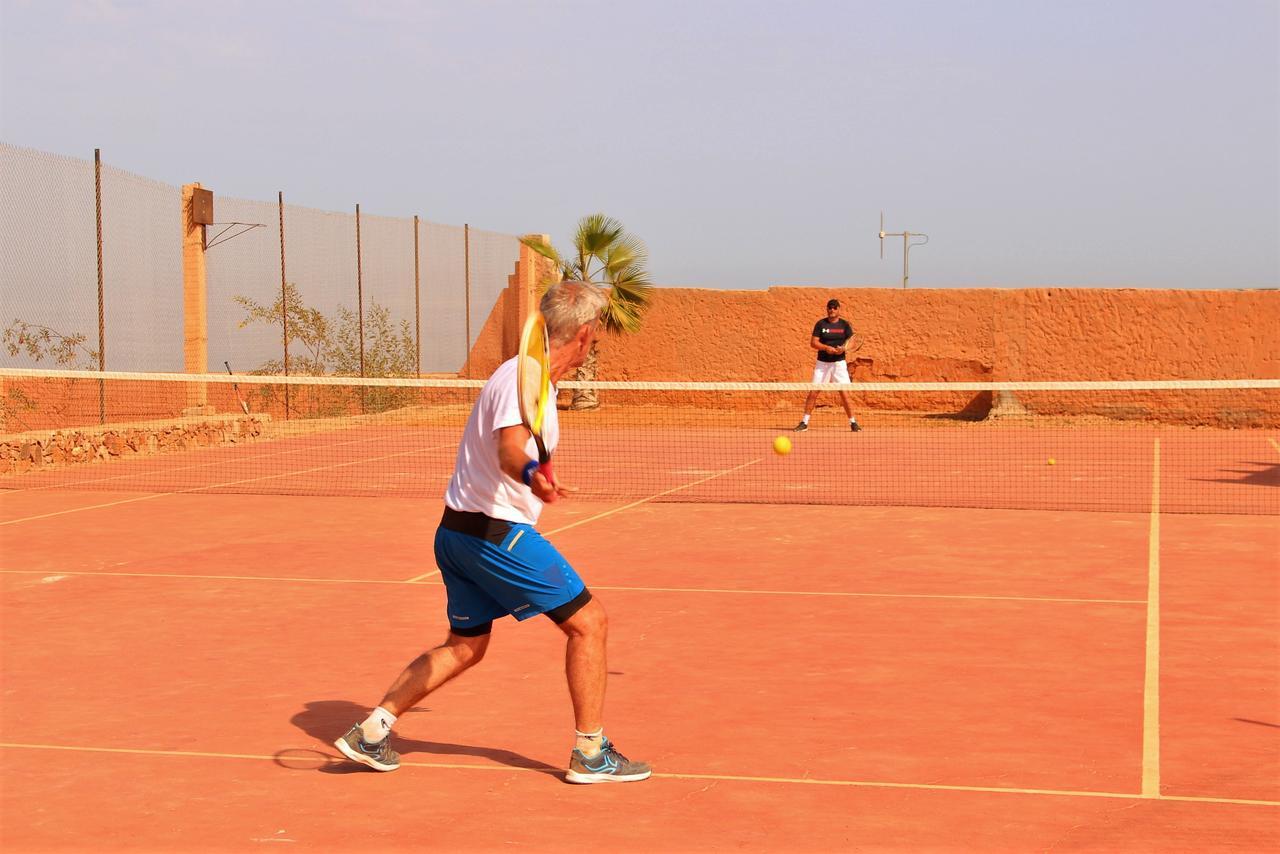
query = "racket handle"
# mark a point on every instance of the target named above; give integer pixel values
(547, 472)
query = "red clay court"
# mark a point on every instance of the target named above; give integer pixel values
(185, 634)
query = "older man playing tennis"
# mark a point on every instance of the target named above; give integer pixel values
(495, 563)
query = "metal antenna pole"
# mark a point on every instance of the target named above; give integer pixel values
(906, 245)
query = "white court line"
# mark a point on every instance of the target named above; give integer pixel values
(622, 588)
(298, 579)
(325, 759)
(221, 485)
(1151, 678)
(629, 506)
(960, 596)
(652, 497)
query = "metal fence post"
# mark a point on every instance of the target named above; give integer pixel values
(284, 302)
(466, 284)
(102, 329)
(417, 305)
(360, 291)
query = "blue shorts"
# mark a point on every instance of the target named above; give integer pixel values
(513, 570)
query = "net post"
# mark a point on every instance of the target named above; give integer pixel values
(284, 301)
(195, 333)
(1006, 358)
(102, 326)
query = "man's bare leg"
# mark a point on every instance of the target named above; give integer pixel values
(586, 668)
(847, 404)
(594, 759)
(432, 669)
(808, 409)
(848, 408)
(369, 742)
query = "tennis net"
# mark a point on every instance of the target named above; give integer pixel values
(1185, 447)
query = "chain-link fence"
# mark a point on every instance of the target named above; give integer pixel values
(357, 293)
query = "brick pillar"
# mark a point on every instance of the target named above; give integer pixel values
(195, 315)
(521, 297)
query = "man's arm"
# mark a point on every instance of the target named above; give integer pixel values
(823, 348)
(512, 459)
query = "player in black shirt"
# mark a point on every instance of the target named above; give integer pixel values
(830, 336)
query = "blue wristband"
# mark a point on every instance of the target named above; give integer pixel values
(527, 473)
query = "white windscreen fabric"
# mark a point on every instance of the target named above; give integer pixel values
(142, 271)
(387, 256)
(243, 273)
(49, 279)
(493, 262)
(444, 344)
(48, 251)
(320, 250)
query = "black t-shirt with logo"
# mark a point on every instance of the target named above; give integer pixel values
(832, 335)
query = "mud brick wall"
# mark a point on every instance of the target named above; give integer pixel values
(952, 335)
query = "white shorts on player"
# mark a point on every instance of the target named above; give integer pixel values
(831, 372)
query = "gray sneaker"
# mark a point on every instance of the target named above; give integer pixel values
(801, 427)
(379, 756)
(607, 766)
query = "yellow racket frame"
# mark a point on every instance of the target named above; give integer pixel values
(533, 376)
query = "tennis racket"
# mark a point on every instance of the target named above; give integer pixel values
(533, 381)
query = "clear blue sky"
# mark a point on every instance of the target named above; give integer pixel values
(749, 143)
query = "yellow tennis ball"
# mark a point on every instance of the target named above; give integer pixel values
(782, 445)
(1052, 461)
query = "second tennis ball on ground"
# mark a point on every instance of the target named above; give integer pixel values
(782, 445)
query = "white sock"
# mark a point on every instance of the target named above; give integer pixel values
(805, 420)
(852, 420)
(378, 725)
(589, 743)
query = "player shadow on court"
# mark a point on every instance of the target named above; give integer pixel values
(325, 720)
(1265, 474)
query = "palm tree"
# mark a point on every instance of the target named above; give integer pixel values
(604, 253)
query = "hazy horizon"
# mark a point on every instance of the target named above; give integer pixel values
(1132, 144)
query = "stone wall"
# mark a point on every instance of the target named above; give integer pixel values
(26, 451)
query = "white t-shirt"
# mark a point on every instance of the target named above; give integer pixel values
(478, 484)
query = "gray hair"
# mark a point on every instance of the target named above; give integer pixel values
(568, 306)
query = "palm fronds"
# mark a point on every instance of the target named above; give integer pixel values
(605, 254)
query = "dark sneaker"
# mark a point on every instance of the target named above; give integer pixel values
(801, 427)
(379, 756)
(855, 427)
(607, 766)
